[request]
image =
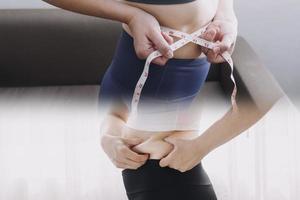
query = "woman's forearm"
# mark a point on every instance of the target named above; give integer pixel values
(112, 125)
(114, 121)
(229, 126)
(109, 9)
(225, 11)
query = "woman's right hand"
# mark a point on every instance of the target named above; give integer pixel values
(119, 151)
(148, 37)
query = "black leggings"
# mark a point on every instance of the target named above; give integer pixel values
(152, 182)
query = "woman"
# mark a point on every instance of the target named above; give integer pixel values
(163, 163)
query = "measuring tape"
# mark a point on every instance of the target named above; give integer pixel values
(185, 38)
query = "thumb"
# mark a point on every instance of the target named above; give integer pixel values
(168, 38)
(226, 43)
(210, 34)
(163, 162)
(166, 160)
(132, 141)
(161, 44)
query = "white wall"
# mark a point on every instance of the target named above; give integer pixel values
(271, 27)
(273, 30)
(24, 4)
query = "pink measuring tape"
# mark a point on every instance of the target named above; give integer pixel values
(185, 38)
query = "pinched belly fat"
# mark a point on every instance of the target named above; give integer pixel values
(154, 143)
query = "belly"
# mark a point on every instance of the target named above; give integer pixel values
(186, 17)
(153, 142)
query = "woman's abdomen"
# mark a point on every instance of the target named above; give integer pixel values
(185, 17)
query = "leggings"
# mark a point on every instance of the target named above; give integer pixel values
(176, 82)
(152, 182)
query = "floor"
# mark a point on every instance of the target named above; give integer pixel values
(49, 149)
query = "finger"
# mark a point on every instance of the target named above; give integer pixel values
(209, 34)
(167, 160)
(120, 164)
(144, 53)
(168, 38)
(160, 60)
(226, 43)
(132, 141)
(218, 59)
(123, 165)
(133, 164)
(216, 28)
(204, 50)
(182, 169)
(121, 158)
(190, 166)
(161, 44)
(143, 47)
(211, 55)
(216, 50)
(135, 156)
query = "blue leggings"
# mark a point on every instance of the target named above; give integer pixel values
(177, 81)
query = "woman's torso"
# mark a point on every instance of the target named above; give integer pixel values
(186, 17)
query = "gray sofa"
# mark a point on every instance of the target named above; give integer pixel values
(47, 47)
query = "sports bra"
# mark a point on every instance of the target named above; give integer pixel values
(161, 1)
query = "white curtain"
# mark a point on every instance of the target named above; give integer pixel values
(49, 149)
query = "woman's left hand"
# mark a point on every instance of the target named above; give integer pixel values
(185, 155)
(223, 33)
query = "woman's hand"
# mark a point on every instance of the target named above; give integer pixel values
(148, 37)
(224, 33)
(119, 152)
(186, 154)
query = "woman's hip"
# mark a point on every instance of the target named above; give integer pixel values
(151, 180)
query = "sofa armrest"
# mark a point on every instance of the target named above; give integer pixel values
(43, 47)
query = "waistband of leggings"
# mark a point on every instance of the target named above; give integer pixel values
(151, 175)
(172, 61)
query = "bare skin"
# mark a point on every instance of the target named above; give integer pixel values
(175, 16)
(182, 150)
